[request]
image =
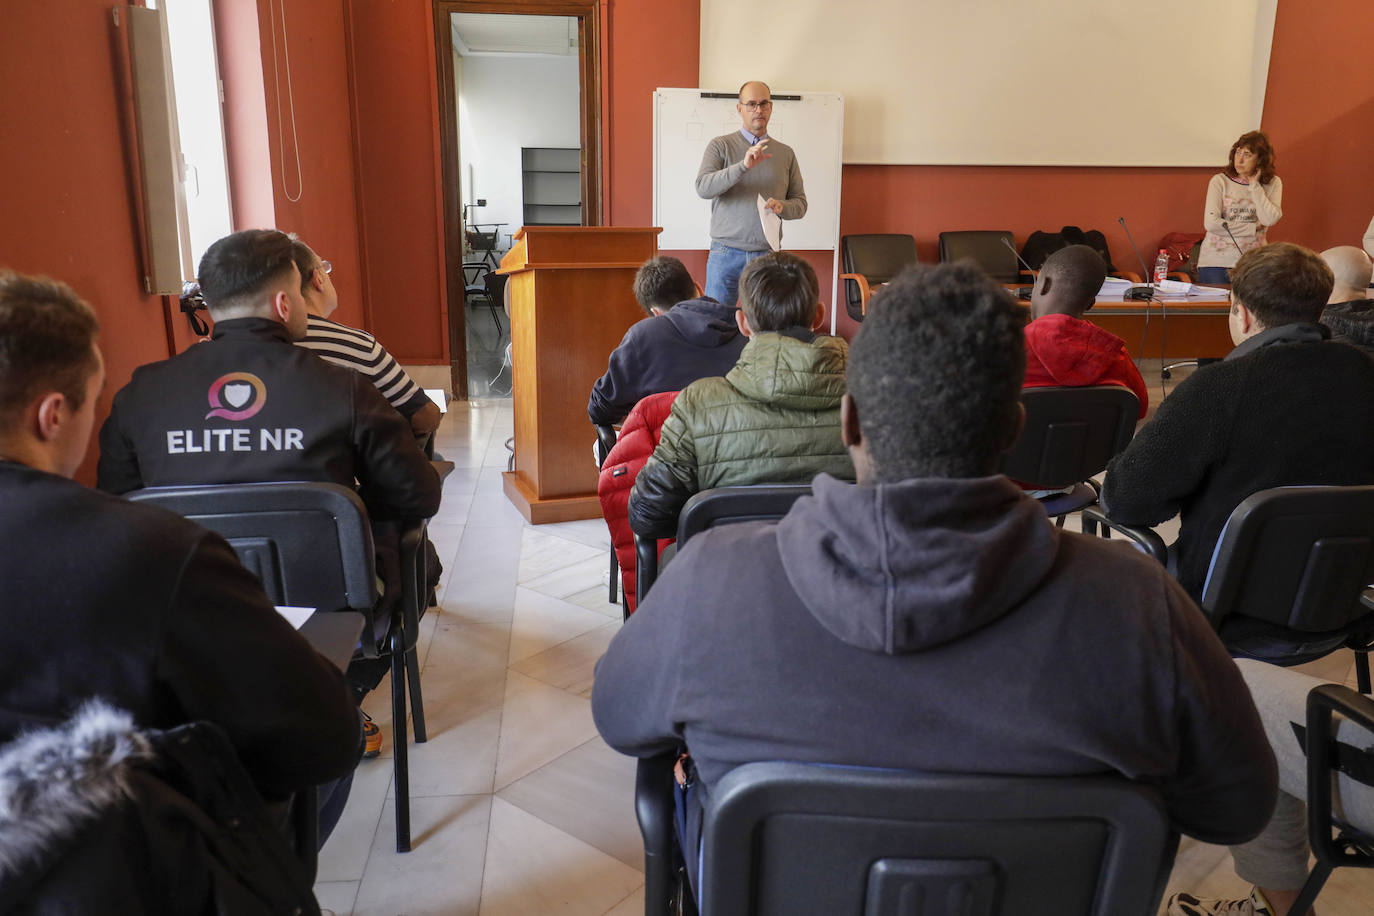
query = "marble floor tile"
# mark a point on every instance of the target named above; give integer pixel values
(567, 877)
(541, 622)
(597, 598)
(570, 665)
(632, 905)
(539, 724)
(345, 854)
(337, 896)
(587, 793)
(459, 758)
(542, 553)
(442, 874)
(590, 531)
(574, 578)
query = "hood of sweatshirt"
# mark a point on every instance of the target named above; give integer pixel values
(784, 370)
(1074, 352)
(907, 566)
(703, 322)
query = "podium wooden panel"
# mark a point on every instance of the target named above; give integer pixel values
(571, 303)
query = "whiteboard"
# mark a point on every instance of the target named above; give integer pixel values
(684, 122)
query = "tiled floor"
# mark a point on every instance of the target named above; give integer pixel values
(517, 807)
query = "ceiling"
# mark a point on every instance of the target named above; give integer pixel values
(501, 34)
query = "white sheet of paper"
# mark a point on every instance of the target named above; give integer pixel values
(439, 397)
(296, 616)
(772, 225)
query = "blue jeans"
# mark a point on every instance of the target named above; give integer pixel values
(723, 267)
(1209, 276)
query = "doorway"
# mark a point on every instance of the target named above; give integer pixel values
(519, 107)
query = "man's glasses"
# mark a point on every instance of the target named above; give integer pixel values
(758, 106)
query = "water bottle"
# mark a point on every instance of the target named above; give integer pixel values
(1161, 267)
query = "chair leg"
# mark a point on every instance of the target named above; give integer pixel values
(615, 578)
(400, 761)
(417, 701)
(1362, 671)
(1310, 889)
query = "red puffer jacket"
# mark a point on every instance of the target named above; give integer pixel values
(638, 439)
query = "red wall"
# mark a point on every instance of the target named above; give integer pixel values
(69, 209)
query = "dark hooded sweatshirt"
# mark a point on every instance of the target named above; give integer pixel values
(941, 625)
(692, 340)
(1062, 350)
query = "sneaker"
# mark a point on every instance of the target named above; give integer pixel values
(1188, 905)
(372, 737)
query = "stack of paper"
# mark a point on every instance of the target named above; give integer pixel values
(1114, 287)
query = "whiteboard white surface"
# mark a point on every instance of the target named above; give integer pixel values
(684, 123)
(1003, 82)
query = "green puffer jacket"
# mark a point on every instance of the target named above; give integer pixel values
(774, 418)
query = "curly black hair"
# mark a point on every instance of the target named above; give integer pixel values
(935, 374)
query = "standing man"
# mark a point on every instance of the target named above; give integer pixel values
(736, 170)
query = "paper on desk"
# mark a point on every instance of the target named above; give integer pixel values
(1114, 286)
(772, 225)
(296, 616)
(1179, 289)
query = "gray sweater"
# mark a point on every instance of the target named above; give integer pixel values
(734, 190)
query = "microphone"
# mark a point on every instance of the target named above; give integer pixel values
(1136, 292)
(1021, 292)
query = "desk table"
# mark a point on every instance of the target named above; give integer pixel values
(1187, 328)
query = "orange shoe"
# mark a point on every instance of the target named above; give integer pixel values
(372, 737)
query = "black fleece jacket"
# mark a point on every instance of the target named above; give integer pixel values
(1288, 407)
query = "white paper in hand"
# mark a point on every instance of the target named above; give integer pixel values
(296, 616)
(772, 225)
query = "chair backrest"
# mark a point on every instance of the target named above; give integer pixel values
(793, 838)
(1299, 557)
(879, 257)
(1070, 434)
(987, 248)
(727, 505)
(309, 543)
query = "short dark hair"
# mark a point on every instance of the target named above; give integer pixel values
(1351, 322)
(306, 260)
(778, 291)
(1079, 270)
(1282, 283)
(1257, 142)
(47, 342)
(663, 282)
(935, 373)
(238, 268)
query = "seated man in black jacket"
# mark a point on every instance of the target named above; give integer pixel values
(108, 598)
(683, 339)
(1286, 407)
(931, 617)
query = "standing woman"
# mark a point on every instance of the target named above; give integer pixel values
(1245, 199)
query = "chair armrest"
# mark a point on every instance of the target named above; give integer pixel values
(1322, 701)
(654, 811)
(646, 566)
(864, 290)
(1145, 538)
(605, 441)
(1129, 275)
(1180, 275)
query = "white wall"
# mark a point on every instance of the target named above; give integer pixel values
(506, 103)
(1004, 82)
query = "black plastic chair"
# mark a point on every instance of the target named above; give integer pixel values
(1070, 435)
(1349, 847)
(311, 546)
(1288, 574)
(870, 260)
(987, 248)
(605, 441)
(709, 508)
(801, 838)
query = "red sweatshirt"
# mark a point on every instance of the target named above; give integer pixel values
(1065, 351)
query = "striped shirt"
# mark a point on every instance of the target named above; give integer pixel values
(359, 351)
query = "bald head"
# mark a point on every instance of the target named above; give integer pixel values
(1352, 269)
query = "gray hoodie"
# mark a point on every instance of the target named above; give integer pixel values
(942, 625)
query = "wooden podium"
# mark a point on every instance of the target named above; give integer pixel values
(572, 300)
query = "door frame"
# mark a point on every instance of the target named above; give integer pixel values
(588, 15)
